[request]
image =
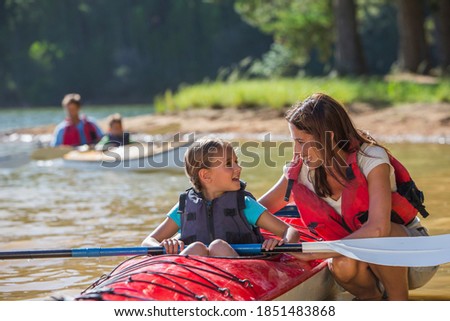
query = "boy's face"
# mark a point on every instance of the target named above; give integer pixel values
(116, 129)
(225, 173)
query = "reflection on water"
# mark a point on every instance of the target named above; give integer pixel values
(55, 207)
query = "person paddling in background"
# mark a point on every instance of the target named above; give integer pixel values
(75, 130)
(216, 211)
(116, 136)
(347, 186)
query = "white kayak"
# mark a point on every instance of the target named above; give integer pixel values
(135, 157)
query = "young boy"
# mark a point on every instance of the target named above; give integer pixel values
(217, 210)
(116, 136)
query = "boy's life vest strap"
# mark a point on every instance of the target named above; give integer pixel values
(240, 199)
(241, 196)
(182, 202)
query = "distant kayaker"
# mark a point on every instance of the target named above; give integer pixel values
(347, 186)
(75, 130)
(116, 136)
(216, 211)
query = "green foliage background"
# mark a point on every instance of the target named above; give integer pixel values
(114, 51)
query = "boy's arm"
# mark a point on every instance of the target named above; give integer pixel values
(272, 224)
(167, 229)
(101, 144)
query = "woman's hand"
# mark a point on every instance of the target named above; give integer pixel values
(172, 246)
(270, 244)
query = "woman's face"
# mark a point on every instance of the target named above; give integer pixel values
(308, 148)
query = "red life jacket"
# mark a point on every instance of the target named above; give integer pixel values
(323, 220)
(71, 136)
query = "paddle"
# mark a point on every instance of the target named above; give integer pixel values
(48, 153)
(398, 251)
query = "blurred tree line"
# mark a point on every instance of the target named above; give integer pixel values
(352, 37)
(114, 51)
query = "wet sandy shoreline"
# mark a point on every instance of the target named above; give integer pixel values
(419, 123)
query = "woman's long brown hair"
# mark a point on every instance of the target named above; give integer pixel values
(320, 115)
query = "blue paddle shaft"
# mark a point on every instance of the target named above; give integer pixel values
(82, 252)
(254, 249)
(242, 249)
(117, 251)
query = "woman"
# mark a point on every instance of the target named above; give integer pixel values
(75, 130)
(345, 186)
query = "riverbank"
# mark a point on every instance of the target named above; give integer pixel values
(418, 122)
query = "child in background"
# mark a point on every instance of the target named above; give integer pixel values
(217, 210)
(116, 136)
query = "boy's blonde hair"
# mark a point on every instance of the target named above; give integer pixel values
(202, 154)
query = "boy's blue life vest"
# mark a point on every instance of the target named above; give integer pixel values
(118, 140)
(222, 218)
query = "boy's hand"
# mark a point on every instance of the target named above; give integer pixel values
(270, 244)
(173, 246)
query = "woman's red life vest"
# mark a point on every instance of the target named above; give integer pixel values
(71, 136)
(323, 220)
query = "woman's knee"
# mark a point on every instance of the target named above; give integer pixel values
(343, 269)
(398, 230)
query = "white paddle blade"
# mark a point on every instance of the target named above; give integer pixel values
(392, 251)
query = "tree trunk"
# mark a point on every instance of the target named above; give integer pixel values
(413, 50)
(349, 58)
(444, 35)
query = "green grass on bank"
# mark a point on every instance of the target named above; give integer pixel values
(284, 92)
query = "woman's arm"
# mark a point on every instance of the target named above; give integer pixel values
(273, 200)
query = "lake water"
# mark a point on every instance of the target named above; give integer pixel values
(30, 117)
(48, 206)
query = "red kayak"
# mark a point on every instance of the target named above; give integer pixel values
(181, 278)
